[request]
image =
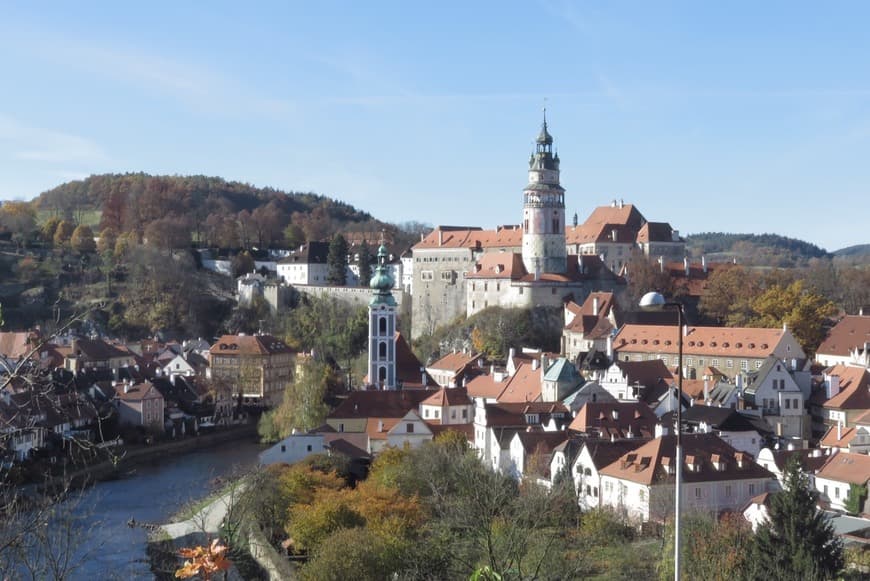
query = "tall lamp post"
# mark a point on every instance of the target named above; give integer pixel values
(654, 301)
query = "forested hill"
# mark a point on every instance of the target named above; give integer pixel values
(205, 205)
(754, 249)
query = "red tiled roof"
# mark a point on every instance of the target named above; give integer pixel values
(523, 386)
(655, 232)
(721, 341)
(852, 331)
(854, 388)
(646, 465)
(472, 237)
(448, 397)
(137, 392)
(249, 345)
(454, 362)
(831, 440)
(499, 265)
(485, 386)
(617, 419)
(380, 404)
(409, 371)
(846, 467)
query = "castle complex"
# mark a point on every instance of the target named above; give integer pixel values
(463, 270)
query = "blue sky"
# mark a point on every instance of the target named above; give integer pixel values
(737, 116)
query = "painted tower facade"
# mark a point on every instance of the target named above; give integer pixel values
(382, 326)
(544, 249)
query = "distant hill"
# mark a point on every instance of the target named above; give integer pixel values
(754, 249)
(205, 206)
(858, 254)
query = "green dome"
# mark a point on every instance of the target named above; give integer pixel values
(381, 281)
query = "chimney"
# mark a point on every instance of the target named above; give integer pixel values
(704, 264)
(512, 353)
(595, 306)
(832, 385)
(661, 263)
(839, 430)
(613, 234)
(686, 264)
(707, 391)
(534, 364)
(610, 346)
(660, 430)
(545, 362)
(440, 237)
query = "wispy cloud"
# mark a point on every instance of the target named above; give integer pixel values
(22, 142)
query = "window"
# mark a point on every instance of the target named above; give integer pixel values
(744, 365)
(382, 349)
(727, 490)
(697, 492)
(437, 414)
(382, 325)
(729, 363)
(425, 413)
(340, 427)
(714, 362)
(308, 447)
(758, 364)
(464, 414)
(825, 489)
(521, 290)
(751, 489)
(409, 428)
(688, 361)
(836, 492)
(788, 404)
(642, 495)
(283, 448)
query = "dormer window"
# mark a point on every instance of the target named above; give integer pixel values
(532, 418)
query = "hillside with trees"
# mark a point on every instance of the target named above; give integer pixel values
(206, 211)
(754, 249)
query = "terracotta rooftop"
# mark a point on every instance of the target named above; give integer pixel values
(486, 386)
(647, 464)
(852, 331)
(249, 345)
(523, 386)
(615, 420)
(380, 404)
(472, 237)
(454, 362)
(448, 397)
(499, 265)
(16, 345)
(721, 341)
(854, 388)
(846, 467)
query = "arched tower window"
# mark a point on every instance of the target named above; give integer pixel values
(382, 325)
(382, 349)
(382, 374)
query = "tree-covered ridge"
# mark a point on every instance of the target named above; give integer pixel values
(755, 249)
(214, 211)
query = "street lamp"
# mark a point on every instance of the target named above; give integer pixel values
(654, 301)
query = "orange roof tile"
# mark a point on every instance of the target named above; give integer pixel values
(448, 397)
(846, 467)
(455, 361)
(249, 345)
(852, 331)
(722, 341)
(523, 386)
(854, 388)
(485, 386)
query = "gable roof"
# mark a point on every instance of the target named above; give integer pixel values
(846, 467)
(249, 345)
(523, 386)
(499, 265)
(513, 415)
(16, 345)
(647, 464)
(97, 350)
(852, 331)
(309, 253)
(754, 379)
(471, 237)
(409, 371)
(448, 397)
(615, 420)
(854, 388)
(455, 362)
(606, 452)
(746, 342)
(379, 404)
(486, 386)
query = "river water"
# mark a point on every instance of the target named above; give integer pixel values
(152, 493)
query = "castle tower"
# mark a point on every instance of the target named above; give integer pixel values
(382, 326)
(544, 248)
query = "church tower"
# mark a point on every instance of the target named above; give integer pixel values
(382, 326)
(544, 210)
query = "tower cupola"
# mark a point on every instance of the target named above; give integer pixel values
(544, 248)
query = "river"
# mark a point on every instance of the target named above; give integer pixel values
(152, 493)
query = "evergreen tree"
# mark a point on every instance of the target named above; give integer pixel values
(797, 541)
(365, 264)
(336, 261)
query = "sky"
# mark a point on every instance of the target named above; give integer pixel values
(713, 116)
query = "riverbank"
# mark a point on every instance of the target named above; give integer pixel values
(133, 457)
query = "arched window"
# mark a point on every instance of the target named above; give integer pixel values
(382, 374)
(382, 325)
(382, 349)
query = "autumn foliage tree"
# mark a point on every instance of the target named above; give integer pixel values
(82, 240)
(804, 312)
(63, 233)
